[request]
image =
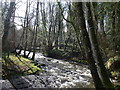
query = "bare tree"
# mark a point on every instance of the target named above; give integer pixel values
(5, 42)
(36, 29)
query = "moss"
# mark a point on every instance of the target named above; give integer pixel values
(113, 67)
(117, 85)
(14, 58)
(111, 61)
(114, 73)
(115, 58)
(18, 65)
(80, 61)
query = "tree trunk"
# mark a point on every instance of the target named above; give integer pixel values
(102, 27)
(1, 34)
(117, 28)
(87, 46)
(5, 42)
(26, 23)
(36, 29)
(96, 51)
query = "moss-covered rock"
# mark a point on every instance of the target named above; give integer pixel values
(113, 65)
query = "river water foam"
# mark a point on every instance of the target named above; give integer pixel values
(56, 74)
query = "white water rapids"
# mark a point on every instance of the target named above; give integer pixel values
(57, 74)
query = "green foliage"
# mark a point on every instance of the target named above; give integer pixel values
(114, 73)
(79, 61)
(60, 53)
(71, 55)
(56, 53)
(111, 61)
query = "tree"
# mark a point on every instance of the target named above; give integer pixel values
(74, 25)
(116, 29)
(96, 51)
(36, 29)
(87, 45)
(5, 42)
(1, 34)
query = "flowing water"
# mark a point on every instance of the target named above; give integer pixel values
(56, 74)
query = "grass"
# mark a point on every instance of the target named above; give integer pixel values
(18, 65)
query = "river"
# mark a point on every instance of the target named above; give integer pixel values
(56, 74)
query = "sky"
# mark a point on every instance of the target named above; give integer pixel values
(21, 8)
(20, 11)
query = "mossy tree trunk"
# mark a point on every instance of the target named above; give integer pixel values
(96, 51)
(87, 46)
